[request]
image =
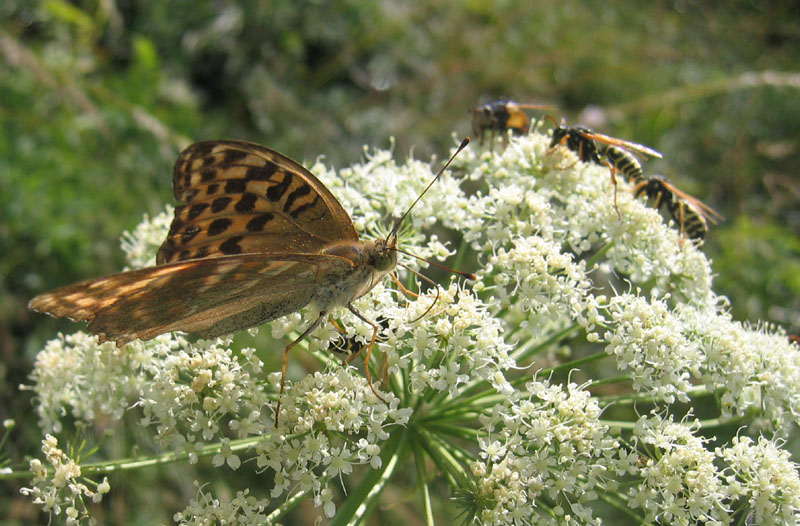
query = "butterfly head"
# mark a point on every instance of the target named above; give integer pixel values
(384, 254)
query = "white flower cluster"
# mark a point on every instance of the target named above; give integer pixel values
(554, 247)
(141, 245)
(243, 510)
(545, 444)
(680, 482)
(59, 487)
(554, 254)
(203, 392)
(329, 423)
(188, 392)
(76, 376)
(762, 475)
(684, 482)
(750, 368)
(648, 343)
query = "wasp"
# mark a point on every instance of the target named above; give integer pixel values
(500, 116)
(591, 146)
(691, 214)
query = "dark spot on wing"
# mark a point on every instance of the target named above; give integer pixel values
(247, 203)
(300, 209)
(220, 204)
(166, 251)
(197, 209)
(231, 246)
(258, 223)
(189, 234)
(298, 193)
(235, 186)
(261, 173)
(232, 156)
(219, 226)
(274, 193)
(204, 149)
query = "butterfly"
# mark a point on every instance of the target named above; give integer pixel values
(257, 237)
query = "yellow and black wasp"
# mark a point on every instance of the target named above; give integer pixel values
(690, 214)
(591, 146)
(500, 116)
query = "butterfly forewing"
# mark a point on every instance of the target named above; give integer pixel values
(244, 198)
(210, 297)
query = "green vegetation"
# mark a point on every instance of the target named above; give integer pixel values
(97, 98)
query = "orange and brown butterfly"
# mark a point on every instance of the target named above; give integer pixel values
(258, 237)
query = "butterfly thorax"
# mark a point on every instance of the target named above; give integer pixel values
(363, 265)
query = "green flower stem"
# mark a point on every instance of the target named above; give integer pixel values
(286, 507)
(131, 464)
(487, 398)
(592, 261)
(622, 506)
(712, 423)
(695, 393)
(463, 248)
(621, 424)
(464, 433)
(613, 380)
(422, 477)
(529, 349)
(365, 496)
(566, 366)
(397, 385)
(446, 456)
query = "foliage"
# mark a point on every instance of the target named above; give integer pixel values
(96, 99)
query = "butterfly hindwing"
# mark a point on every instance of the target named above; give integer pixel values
(244, 198)
(210, 297)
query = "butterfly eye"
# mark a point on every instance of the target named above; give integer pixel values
(384, 260)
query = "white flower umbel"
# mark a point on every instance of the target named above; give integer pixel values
(475, 382)
(60, 488)
(763, 479)
(680, 482)
(542, 457)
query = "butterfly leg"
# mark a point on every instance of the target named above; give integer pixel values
(300, 338)
(375, 329)
(402, 288)
(336, 325)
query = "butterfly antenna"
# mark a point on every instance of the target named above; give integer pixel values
(393, 233)
(431, 282)
(467, 275)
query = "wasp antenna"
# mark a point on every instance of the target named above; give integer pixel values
(467, 275)
(393, 233)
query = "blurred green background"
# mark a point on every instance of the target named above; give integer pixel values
(97, 98)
